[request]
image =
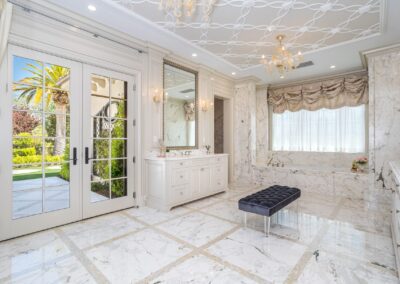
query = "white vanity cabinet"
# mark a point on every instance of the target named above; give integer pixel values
(173, 181)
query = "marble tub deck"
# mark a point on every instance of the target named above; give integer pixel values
(335, 240)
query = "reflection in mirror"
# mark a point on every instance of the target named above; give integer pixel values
(180, 110)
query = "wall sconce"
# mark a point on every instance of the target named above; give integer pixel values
(157, 96)
(206, 105)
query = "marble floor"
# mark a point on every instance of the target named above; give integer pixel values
(329, 240)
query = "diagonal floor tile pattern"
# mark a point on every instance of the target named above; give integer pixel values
(322, 240)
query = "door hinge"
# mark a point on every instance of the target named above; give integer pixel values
(134, 122)
(134, 195)
(134, 159)
(134, 87)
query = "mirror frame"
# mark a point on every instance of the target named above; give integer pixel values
(178, 66)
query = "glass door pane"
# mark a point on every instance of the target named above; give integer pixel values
(41, 134)
(108, 108)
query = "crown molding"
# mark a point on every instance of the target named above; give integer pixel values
(378, 51)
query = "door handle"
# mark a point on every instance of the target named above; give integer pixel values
(74, 156)
(87, 155)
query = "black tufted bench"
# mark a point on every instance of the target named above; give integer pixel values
(269, 201)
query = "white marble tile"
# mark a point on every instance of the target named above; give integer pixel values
(201, 203)
(200, 269)
(331, 268)
(152, 216)
(366, 220)
(96, 230)
(229, 194)
(136, 256)
(68, 270)
(271, 258)
(196, 228)
(227, 210)
(299, 227)
(22, 254)
(314, 205)
(343, 238)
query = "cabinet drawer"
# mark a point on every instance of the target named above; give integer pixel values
(180, 194)
(200, 162)
(181, 164)
(218, 160)
(180, 177)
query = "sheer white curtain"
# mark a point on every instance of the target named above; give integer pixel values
(324, 130)
(5, 24)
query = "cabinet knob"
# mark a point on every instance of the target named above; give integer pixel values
(181, 164)
(181, 176)
(202, 169)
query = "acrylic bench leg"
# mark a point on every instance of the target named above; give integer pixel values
(267, 225)
(245, 219)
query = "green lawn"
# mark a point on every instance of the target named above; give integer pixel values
(36, 173)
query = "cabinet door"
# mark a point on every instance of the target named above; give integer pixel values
(204, 180)
(195, 184)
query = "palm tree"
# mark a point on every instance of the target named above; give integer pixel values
(31, 91)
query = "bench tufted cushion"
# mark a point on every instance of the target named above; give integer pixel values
(268, 201)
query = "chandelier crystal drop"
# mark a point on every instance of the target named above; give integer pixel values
(283, 60)
(186, 8)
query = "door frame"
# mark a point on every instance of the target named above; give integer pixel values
(7, 230)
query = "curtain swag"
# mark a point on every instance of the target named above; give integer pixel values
(335, 93)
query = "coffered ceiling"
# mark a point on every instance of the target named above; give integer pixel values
(241, 32)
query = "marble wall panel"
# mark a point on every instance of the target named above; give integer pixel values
(244, 130)
(384, 118)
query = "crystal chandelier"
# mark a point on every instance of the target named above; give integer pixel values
(283, 60)
(186, 8)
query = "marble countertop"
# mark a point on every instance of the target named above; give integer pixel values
(183, 157)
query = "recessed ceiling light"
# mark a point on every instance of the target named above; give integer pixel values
(332, 66)
(233, 73)
(194, 54)
(91, 8)
(263, 56)
(282, 77)
(212, 78)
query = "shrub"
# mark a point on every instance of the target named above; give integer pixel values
(24, 122)
(64, 173)
(25, 140)
(18, 160)
(31, 151)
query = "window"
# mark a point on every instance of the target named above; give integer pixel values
(324, 130)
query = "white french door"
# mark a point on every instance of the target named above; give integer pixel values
(66, 146)
(108, 141)
(40, 141)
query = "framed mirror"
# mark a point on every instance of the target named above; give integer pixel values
(180, 123)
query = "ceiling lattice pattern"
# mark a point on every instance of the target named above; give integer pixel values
(242, 31)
